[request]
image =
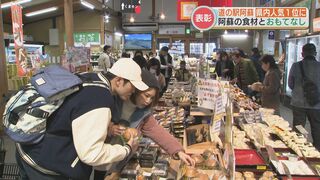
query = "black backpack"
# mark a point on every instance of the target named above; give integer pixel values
(310, 89)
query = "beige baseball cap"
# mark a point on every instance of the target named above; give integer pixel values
(130, 70)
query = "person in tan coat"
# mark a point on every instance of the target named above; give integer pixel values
(270, 88)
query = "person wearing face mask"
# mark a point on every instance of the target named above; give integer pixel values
(137, 113)
(154, 68)
(183, 74)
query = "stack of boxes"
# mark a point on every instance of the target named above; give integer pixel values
(14, 81)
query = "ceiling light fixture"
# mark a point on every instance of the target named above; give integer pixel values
(225, 32)
(131, 19)
(162, 16)
(246, 30)
(106, 18)
(118, 34)
(42, 11)
(235, 36)
(8, 4)
(87, 4)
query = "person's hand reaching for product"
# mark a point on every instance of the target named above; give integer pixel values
(116, 129)
(233, 81)
(186, 158)
(257, 86)
(133, 143)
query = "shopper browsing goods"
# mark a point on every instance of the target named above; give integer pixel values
(75, 138)
(136, 113)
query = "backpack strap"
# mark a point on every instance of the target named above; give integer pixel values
(13, 118)
(26, 158)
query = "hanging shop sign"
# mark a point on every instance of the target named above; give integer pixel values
(85, 39)
(88, 37)
(17, 30)
(172, 29)
(130, 6)
(316, 24)
(205, 18)
(185, 8)
(271, 34)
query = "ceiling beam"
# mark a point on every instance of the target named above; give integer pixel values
(55, 16)
(58, 3)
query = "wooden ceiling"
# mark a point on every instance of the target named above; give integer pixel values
(35, 5)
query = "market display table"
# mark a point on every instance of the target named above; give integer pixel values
(198, 111)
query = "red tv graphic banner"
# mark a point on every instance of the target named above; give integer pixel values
(185, 7)
(17, 30)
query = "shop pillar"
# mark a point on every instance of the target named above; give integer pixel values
(276, 43)
(102, 31)
(3, 67)
(68, 16)
(277, 35)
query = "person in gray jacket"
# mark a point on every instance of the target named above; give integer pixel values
(300, 107)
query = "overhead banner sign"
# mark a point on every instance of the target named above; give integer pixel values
(205, 18)
(17, 31)
(130, 6)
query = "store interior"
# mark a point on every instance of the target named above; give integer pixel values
(243, 138)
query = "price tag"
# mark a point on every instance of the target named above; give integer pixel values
(220, 107)
(261, 167)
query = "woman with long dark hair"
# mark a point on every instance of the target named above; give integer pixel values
(154, 67)
(224, 67)
(137, 113)
(270, 89)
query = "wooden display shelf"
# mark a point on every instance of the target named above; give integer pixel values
(198, 148)
(198, 111)
(184, 104)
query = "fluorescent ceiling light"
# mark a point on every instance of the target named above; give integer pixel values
(235, 35)
(8, 4)
(88, 5)
(118, 34)
(42, 11)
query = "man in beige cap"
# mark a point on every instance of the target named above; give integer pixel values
(76, 132)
